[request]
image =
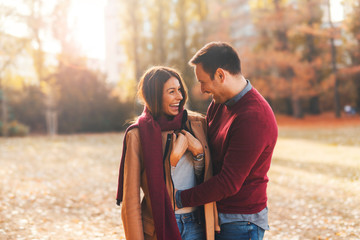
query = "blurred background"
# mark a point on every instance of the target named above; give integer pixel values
(73, 65)
(68, 76)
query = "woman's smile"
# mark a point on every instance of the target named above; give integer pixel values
(172, 97)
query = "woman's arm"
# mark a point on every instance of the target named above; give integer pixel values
(131, 208)
(179, 147)
(196, 148)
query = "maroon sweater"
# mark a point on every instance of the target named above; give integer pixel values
(242, 138)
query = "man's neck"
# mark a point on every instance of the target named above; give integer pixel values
(235, 85)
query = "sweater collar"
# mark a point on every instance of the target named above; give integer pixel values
(238, 96)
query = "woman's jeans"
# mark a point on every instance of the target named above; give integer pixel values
(240, 231)
(190, 227)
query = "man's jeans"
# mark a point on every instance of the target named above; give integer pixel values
(240, 231)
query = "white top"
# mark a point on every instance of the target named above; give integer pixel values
(183, 176)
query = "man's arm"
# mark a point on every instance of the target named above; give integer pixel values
(246, 143)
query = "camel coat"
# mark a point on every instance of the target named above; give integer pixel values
(136, 210)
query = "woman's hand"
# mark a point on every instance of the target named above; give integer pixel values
(180, 145)
(195, 146)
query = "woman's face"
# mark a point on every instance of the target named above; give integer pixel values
(171, 97)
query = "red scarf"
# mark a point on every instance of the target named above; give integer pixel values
(151, 145)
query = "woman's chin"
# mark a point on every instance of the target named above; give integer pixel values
(172, 114)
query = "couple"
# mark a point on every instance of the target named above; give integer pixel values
(167, 153)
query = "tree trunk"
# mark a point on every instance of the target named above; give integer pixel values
(131, 5)
(297, 108)
(39, 60)
(314, 103)
(160, 33)
(51, 122)
(186, 70)
(51, 114)
(310, 56)
(183, 33)
(4, 115)
(334, 67)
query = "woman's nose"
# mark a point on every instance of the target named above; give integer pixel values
(179, 95)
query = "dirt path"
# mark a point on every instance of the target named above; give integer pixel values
(64, 188)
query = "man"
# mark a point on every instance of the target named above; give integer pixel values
(242, 133)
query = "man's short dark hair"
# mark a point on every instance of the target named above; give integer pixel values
(216, 55)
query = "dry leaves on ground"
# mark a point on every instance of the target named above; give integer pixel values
(60, 188)
(64, 188)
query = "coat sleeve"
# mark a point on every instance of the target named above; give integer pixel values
(131, 208)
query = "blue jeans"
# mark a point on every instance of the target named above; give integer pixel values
(190, 227)
(240, 231)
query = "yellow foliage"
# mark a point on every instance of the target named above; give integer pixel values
(126, 87)
(13, 81)
(264, 4)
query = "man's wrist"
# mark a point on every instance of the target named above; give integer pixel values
(178, 199)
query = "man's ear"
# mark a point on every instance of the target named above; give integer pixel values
(220, 73)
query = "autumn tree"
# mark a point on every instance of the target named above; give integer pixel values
(86, 103)
(64, 35)
(334, 65)
(38, 24)
(278, 64)
(132, 33)
(10, 48)
(310, 37)
(27, 105)
(189, 35)
(164, 33)
(353, 48)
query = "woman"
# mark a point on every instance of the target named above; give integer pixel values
(164, 150)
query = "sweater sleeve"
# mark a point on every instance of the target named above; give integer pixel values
(247, 140)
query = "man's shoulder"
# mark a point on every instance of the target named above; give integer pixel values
(254, 94)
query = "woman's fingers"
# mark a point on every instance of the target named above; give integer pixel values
(194, 144)
(180, 145)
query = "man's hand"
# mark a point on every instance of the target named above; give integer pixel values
(180, 145)
(195, 146)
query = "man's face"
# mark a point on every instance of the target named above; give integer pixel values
(207, 84)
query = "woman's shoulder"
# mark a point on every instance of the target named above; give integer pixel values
(132, 138)
(195, 116)
(132, 132)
